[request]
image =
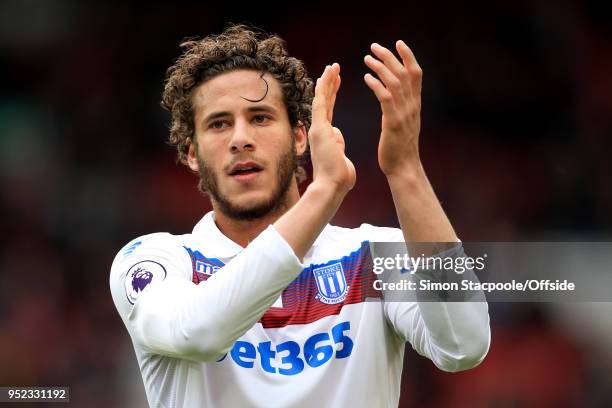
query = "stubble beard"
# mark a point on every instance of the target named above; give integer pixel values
(286, 168)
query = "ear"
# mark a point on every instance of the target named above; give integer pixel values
(301, 139)
(192, 156)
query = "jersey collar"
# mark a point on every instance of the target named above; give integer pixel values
(207, 228)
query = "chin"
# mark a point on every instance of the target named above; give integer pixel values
(250, 207)
(251, 199)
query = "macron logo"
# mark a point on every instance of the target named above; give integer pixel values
(206, 268)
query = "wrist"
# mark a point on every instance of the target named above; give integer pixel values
(410, 175)
(303, 223)
(325, 192)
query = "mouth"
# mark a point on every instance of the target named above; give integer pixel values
(245, 171)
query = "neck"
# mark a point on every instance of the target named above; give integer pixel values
(244, 231)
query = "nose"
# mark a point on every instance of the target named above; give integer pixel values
(242, 137)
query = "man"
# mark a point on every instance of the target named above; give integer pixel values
(260, 305)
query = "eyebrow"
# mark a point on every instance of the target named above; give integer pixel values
(252, 109)
(216, 115)
(262, 108)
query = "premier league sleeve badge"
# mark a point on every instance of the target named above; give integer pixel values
(140, 275)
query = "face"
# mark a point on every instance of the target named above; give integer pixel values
(245, 149)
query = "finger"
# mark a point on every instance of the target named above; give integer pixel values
(382, 94)
(338, 136)
(410, 63)
(333, 73)
(326, 81)
(407, 55)
(351, 167)
(392, 83)
(330, 78)
(332, 103)
(389, 59)
(319, 105)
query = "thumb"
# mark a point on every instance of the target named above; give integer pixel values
(338, 137)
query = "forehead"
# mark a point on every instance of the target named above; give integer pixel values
(230, 91)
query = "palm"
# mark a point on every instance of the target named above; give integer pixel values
(327, 145)
(398, 90)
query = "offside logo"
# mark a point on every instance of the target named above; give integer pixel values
(331, 284)
(140, 275)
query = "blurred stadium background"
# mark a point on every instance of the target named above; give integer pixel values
(516, 139)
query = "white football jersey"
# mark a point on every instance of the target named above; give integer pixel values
(217, 325)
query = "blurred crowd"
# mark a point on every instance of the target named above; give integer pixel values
(515, 139)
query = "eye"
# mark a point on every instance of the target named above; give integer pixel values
(218, 124)
(260, 119)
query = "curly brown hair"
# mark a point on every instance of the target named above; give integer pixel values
(238, 47)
